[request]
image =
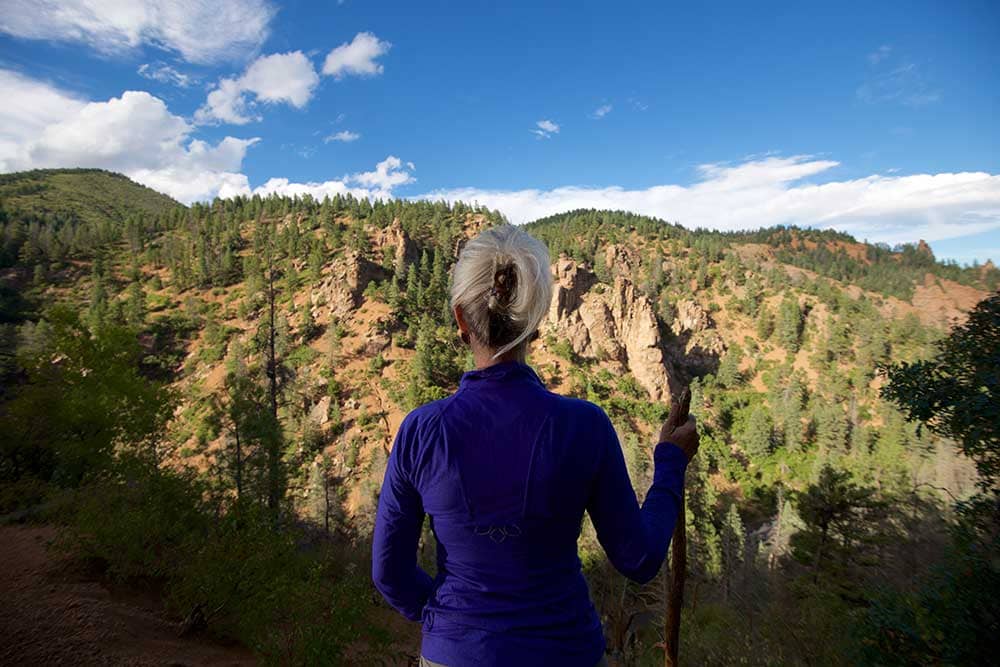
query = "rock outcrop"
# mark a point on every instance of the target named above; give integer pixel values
(690, 317)
(925, 249)
(393, 241)
(341, 289)
(614, 322)
(698, 345)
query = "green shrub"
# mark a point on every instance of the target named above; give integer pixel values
(137, 521)
(301, 356)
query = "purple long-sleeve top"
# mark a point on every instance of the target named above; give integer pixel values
(505, 469)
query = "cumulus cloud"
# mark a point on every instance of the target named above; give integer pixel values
(545, 128)
(29, 107)
(165, 74)
(601, 111)
(344, 136)
(280, 77)
(356, 57)
(201, 32)
(134, 134)
(388, 174)
(775, 190)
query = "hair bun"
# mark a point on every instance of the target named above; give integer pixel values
(504, 286)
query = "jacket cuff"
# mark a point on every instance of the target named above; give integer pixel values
(668, 454)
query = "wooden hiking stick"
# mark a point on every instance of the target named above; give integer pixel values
(678, 552)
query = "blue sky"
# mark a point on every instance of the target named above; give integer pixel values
(880, 121)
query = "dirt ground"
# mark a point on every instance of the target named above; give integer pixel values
(55, 612)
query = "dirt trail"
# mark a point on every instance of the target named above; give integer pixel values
(53, 612)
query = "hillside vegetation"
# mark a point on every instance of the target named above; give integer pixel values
(233, 375)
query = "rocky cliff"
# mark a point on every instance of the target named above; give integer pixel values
(614, 322)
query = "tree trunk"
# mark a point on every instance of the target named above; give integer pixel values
(239, 465)
(273, 453)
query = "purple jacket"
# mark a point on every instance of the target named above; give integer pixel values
(505, 469)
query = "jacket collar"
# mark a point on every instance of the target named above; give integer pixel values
(504, 371)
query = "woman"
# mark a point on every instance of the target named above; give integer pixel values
(505, 469)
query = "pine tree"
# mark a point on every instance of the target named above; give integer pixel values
(412, 290)
(733, 543)
(790, 323)
(757, 436)
(765, 323)
(135, 305)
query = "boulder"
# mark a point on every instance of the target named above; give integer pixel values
(320, 413)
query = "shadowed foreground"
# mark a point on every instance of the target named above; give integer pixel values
(55, 612)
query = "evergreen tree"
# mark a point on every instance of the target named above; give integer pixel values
(790, 322)
(834, 511)
(757, 436)
(412, 290)
(733, 541)
(765, 323)
(135, 305)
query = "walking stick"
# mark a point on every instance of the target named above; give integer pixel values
(678, 553)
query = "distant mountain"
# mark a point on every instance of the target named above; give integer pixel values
(85, 195)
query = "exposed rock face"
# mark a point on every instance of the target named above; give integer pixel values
(699, 345)
(702, 351)
(616, 322)
(571, 282)
(640, 334)
(618, 260)
(395, 242)
(341, 289)
(691, 317)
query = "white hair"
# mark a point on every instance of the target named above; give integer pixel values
(503, 283)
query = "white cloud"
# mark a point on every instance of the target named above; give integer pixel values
(356, 57)
(165, 74)
(773, 190)
(601, 111)
(388, 174)
(344, 136)
(201, 32)
(545, 128)
(29, 107)
(280, 77)
(134, 134)
(879, 54)
(226, 104)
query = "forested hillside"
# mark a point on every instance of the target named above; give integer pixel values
(206, 397)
